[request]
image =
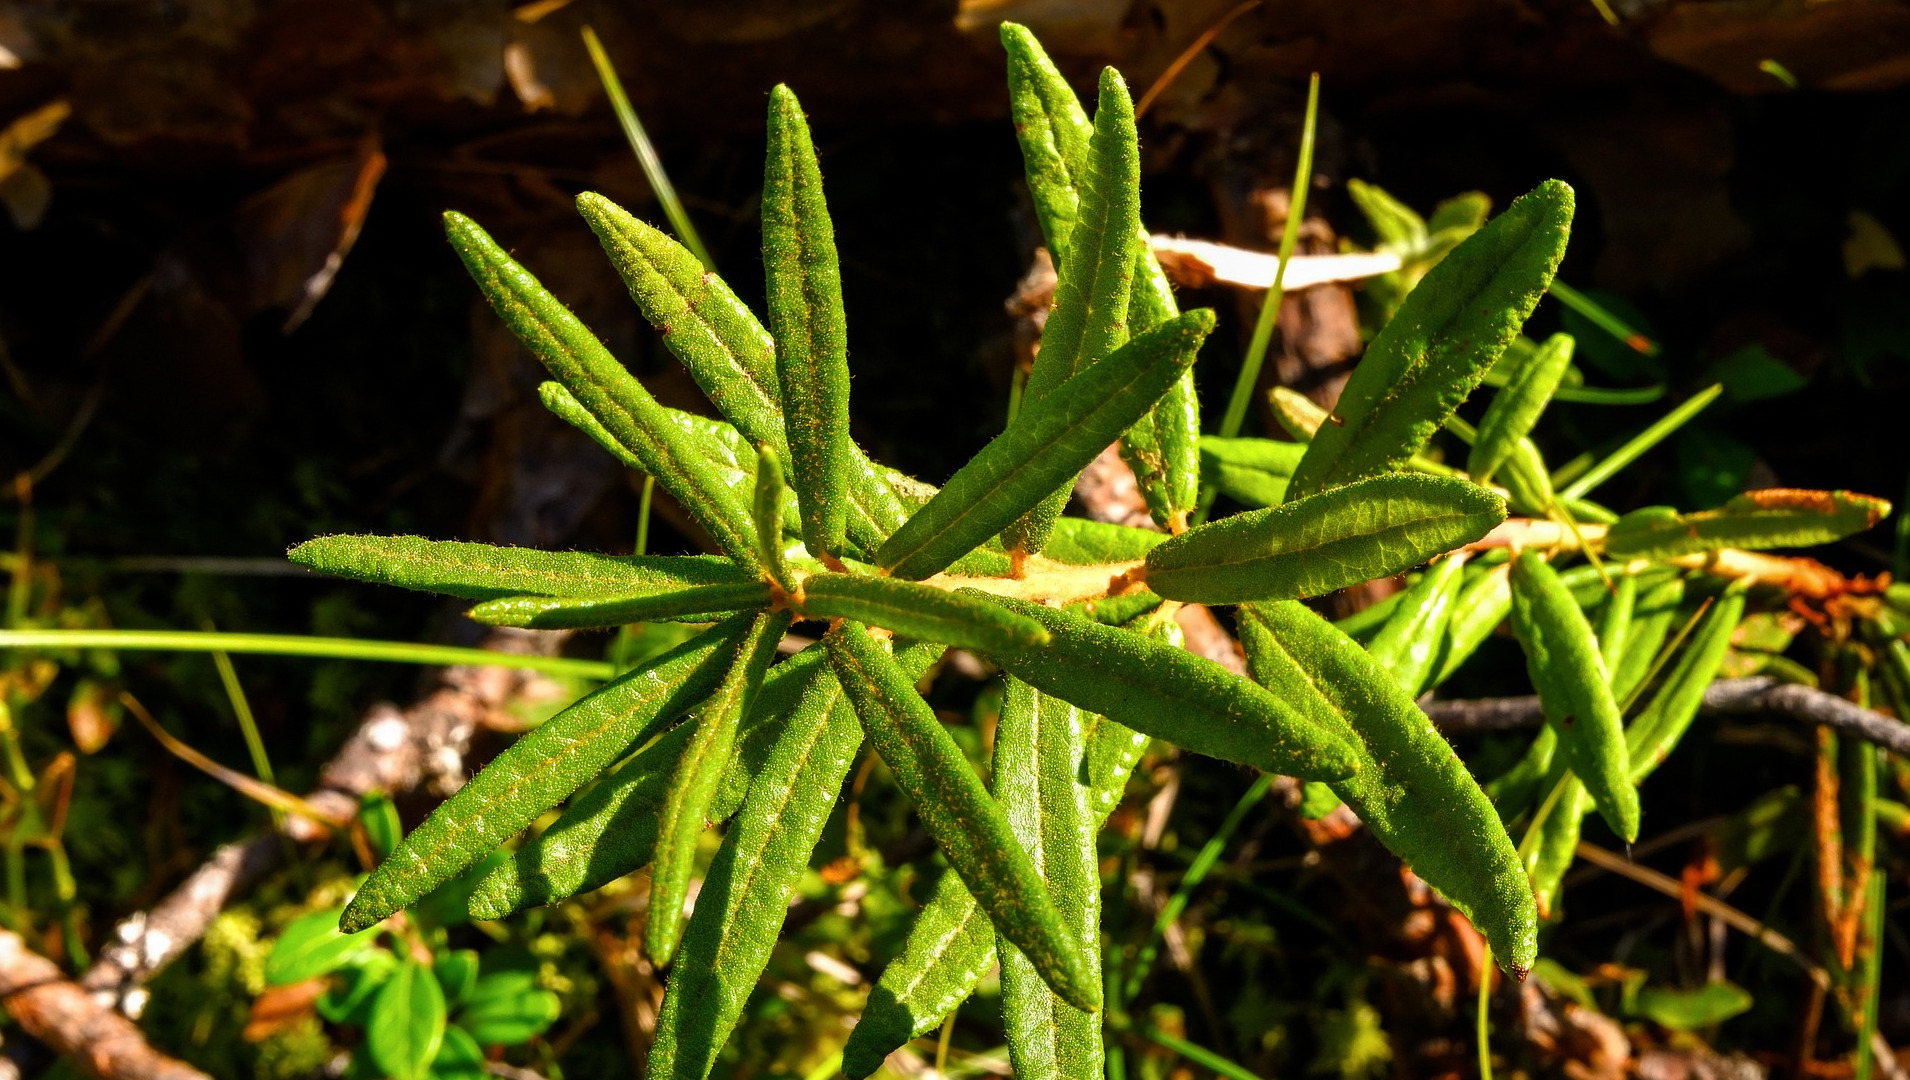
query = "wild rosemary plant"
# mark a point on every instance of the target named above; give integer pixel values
(1077, 615)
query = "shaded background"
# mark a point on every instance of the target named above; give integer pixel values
(228, 320)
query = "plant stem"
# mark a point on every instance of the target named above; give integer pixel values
(1483, 1027)
(248, 725)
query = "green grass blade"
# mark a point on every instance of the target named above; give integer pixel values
(488, 572)
(920, 612)
(397, 652)
(699, 771)
(702, 603)
(1561, 655)
(1249, 376)
(1252, 472)
(1037, 780)
(1051, 441)
(1447, 334)
(610, 393)
(1655, 733)
(1411, 789)
(955, 808)
(1771, 518)
(646, 152)
(1095, 278)
(806, 319)
(1409, 644)
(540, 769)
(726, 350)
(1371, 528)
(1174, 695)
(1516, 409)
(1635, 447)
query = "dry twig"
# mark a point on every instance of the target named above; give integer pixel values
(61, 1015)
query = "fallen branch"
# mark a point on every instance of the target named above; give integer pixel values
(1757, 695)
(70, 1022)
(393, 750)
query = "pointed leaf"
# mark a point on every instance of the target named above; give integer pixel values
(1094, 279)
(486, 572)
(725, 348)
(1652, 736)
(806, 319)
(767, 511)
(1049, 442)
(1371, 528)
(1561, 655)
(1252, 472)
(1037, 780)
(1163, 447)
(1774, 517)
(1397, 225)
(1411, 789)
(1448, 332)
(1054, 133)
(747, 891)
(610, 393)
(540, 769)
(698, 773)
(701, 603)
(1516, 410)
(1409, 644)
(1174, 695)
(958, 812)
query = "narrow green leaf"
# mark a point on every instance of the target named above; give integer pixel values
(1773, 517)
(806, 319)
(698, 772)
(949, 949)
(956, 810)
(1174, 695)
(1614, 626)
(920, 612)
(1053, 130)
(1038, 748)
(1692, 1010)
(747, 890)
(1512, 791)
(1636, 446)
(1652, 736)
(610, 829)
(540, 769)
(508, 1008)
(1409, 644)
(1448, 332)
(1550, 850)
(951, 944)
(1515, 411)
(407, 1023)
(1163, 447)
(487, 572)
(1398, 226)
(1049, 442)
(1084, 542)
(1252, 472)
(767, 511)
(1527, 483)
(700, 603)
(610, 393)
(1095, 277)
(310, 946)
(1297, 413)
(1653, 617)
(1410, 788)
(1561, 655)
(1370, 528)
(725, 348)
(1465, 213)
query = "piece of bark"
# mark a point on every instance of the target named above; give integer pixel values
(69, 1021)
